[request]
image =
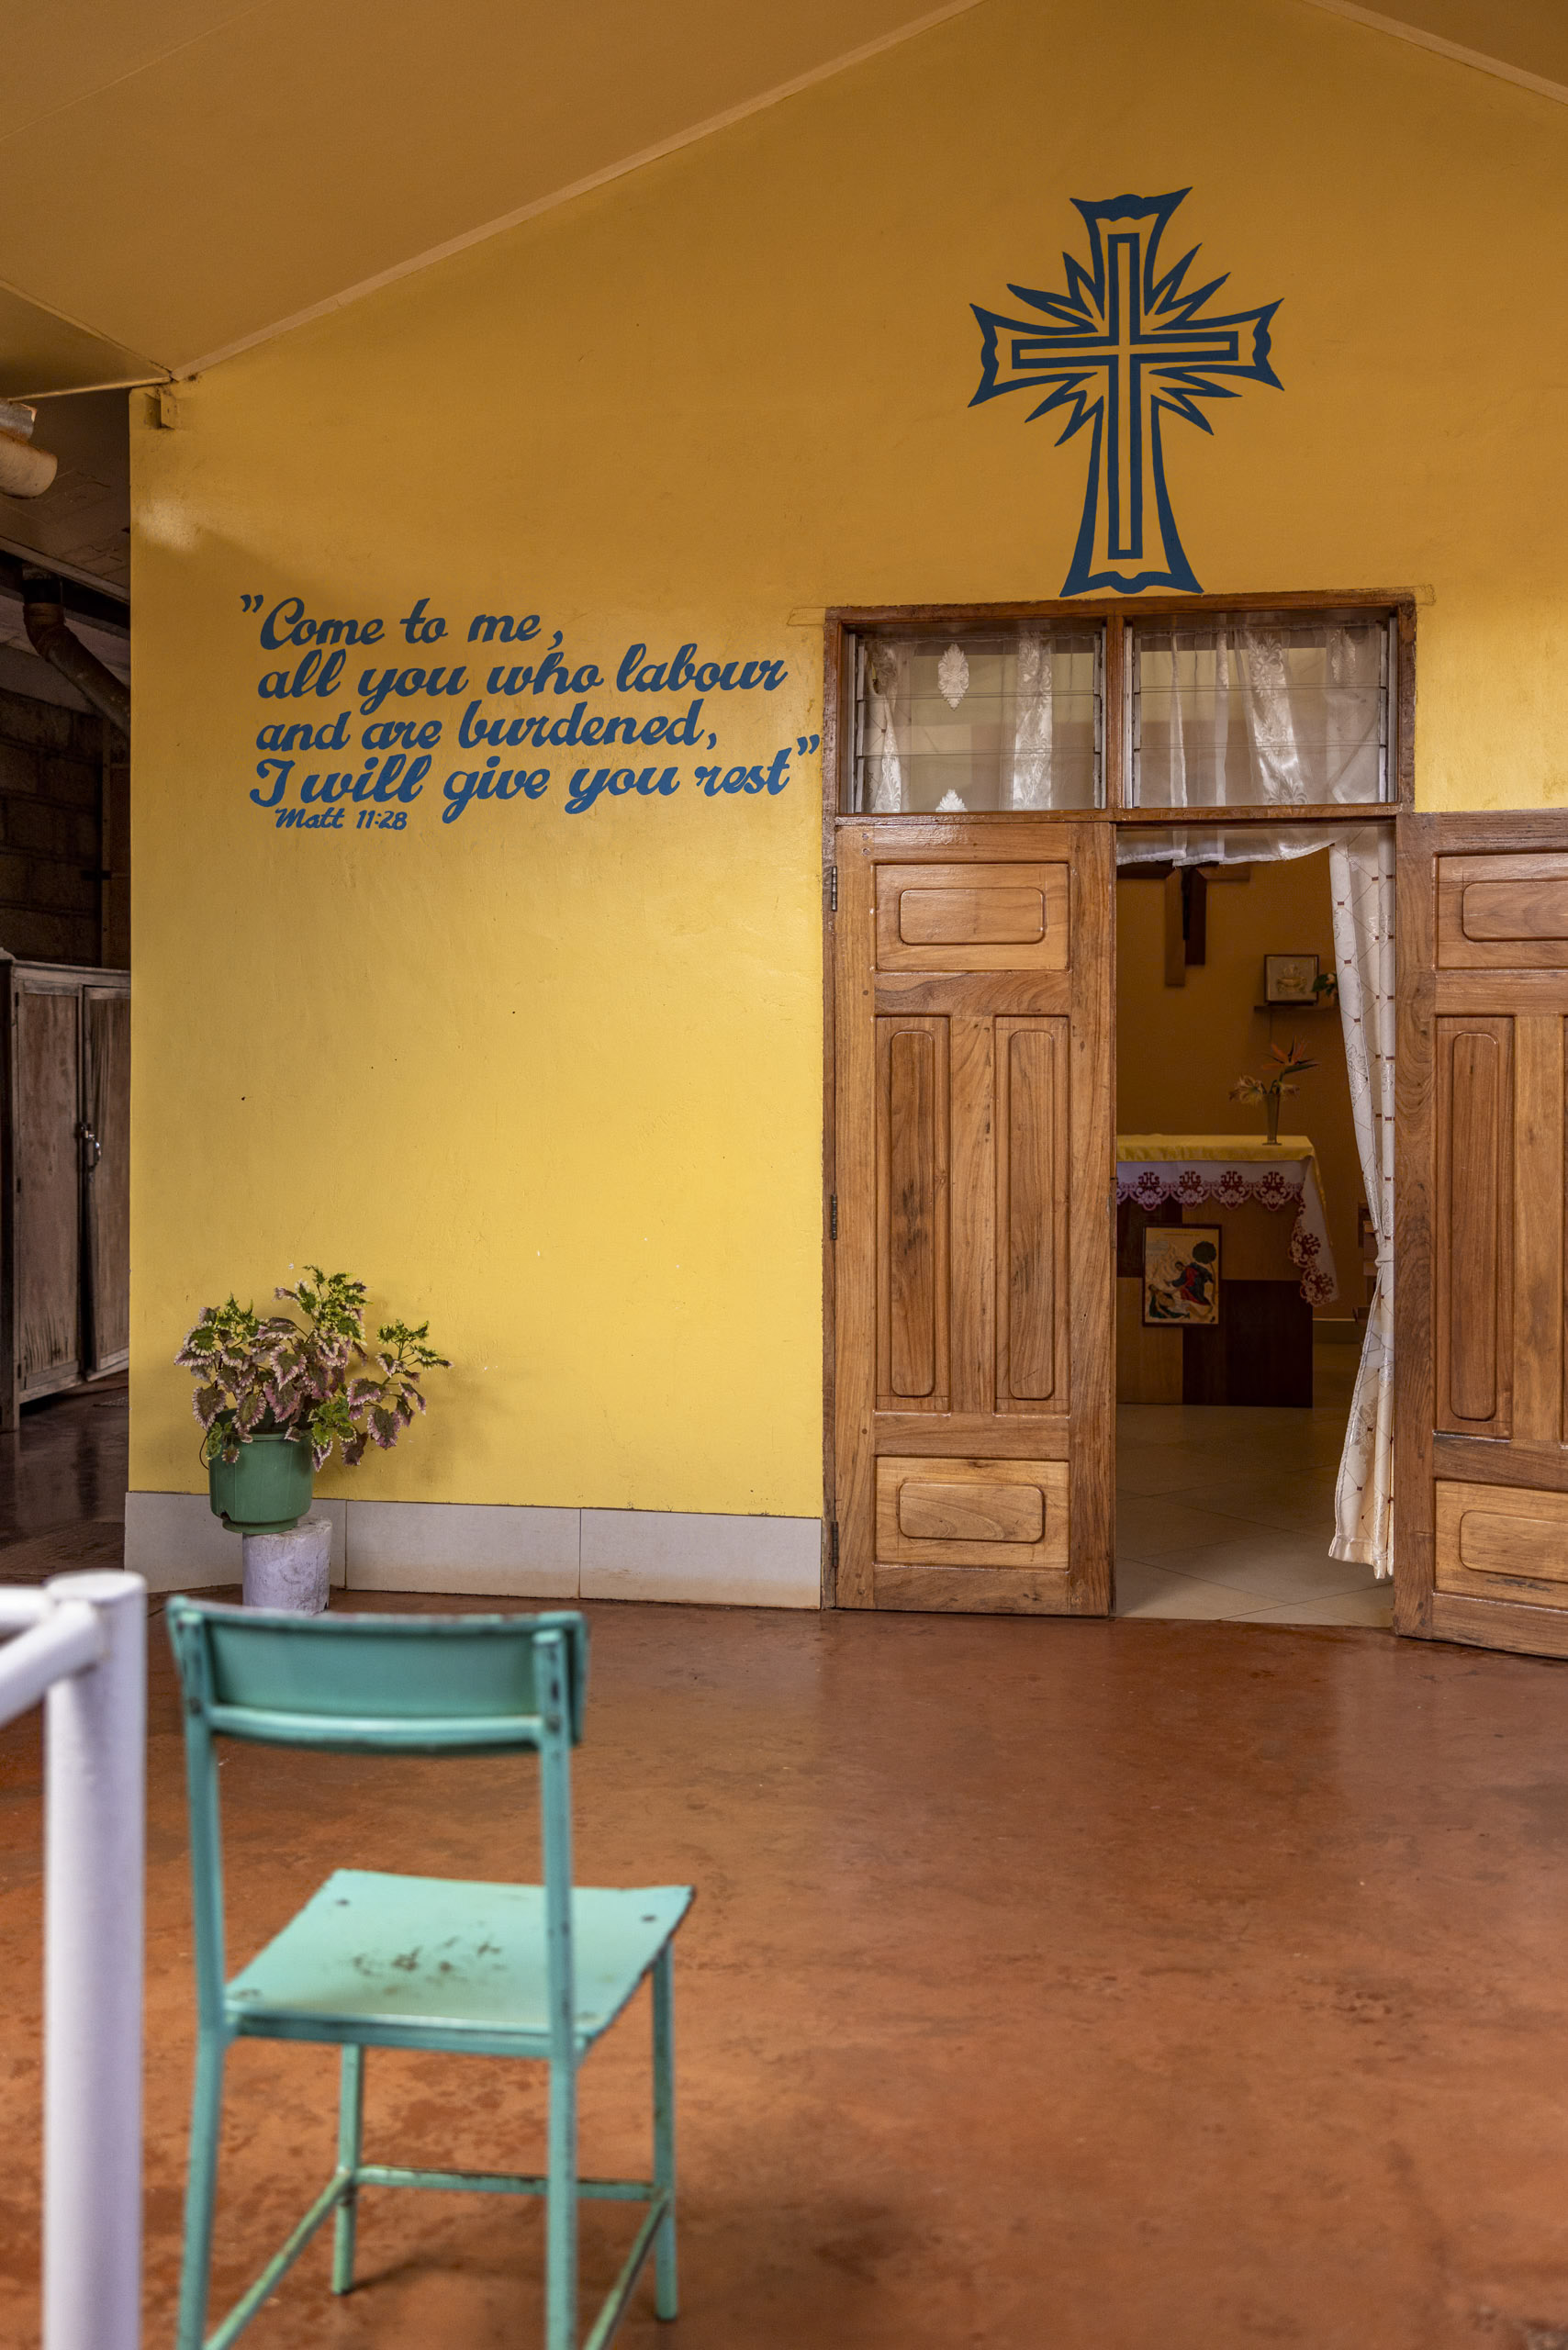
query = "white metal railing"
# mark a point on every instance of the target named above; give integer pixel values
(80, 1645)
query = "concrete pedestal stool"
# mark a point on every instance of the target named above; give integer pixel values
(290, 1571)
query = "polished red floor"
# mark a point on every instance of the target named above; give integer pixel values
(62, 1480)
(1103, 1986)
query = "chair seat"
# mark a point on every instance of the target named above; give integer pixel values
(437, 1961)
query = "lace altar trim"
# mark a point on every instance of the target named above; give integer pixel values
(1271, 1187)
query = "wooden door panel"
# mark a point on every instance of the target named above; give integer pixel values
(1003, 917)
(1481, 1467)
(1032, 1215)
(1495, 911)
(946, 1512)
(1536, 1295)
(986, 1513)
(1013, 915)
(978, 995)
(911, 1201)
(1502, 913)
(971, 1591)
(973, 1141)
(1503, 1542)
(971, 1215)
(1474, 1239)
(998, 1436)
(913, 1178)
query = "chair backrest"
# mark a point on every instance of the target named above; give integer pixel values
(419, 1685)
(387, 1684)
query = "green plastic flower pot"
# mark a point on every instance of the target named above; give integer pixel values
(267, 1490)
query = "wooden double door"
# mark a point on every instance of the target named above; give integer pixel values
(973, 1262)
(1480, 1260)
(973, 1256)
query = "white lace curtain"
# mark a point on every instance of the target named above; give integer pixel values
(892, 736)
(886, 716)
(1361, 875)
(1233, 710)
(1027, 769)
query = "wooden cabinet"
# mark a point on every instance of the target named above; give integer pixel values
(64, 1179)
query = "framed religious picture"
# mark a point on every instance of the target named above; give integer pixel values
(1180, 1275)
(1290, 978)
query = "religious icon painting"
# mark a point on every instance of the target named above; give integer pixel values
(1180, 1275)
(1290, 978)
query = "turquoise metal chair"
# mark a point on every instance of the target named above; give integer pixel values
(376, 1961)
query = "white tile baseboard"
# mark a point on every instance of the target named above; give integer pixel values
(507, 1550)
(177, 1544)
(708, 1559)
(510, 1551)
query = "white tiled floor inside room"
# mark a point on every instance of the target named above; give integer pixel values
(1227, 1511)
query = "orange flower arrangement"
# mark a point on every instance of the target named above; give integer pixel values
(1268, 1088)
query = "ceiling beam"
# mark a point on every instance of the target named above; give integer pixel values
(1482, 60)
(43, 351)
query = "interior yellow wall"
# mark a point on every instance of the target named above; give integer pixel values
(1179, 1050)
(554, 1080)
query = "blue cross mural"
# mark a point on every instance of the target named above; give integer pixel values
(1119, 349)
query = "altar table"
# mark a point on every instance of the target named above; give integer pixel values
(1232, 1170)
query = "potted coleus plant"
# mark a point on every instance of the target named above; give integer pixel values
(276, 1393)
(1290, 1062)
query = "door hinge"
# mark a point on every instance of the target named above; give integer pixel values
(833, 1216)
(832, 1546)
(833, 888)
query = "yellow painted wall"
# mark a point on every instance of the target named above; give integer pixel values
(556, 1080)
(1179, 1050)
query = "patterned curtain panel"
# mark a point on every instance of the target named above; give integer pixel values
(1360, 872)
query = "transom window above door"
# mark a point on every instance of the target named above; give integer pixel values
(962, 723)
(1236, 709)
(1202, 706)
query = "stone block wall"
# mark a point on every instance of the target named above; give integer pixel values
(53, 893)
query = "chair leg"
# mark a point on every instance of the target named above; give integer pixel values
(351, 2124)
(665, 2300)
(201, 2191)
(561, 2212)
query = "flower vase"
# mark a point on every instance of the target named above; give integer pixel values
(1272, 1105)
